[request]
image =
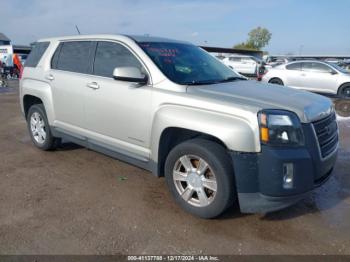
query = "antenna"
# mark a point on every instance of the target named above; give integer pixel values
(77, 29)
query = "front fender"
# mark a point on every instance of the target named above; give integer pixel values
(238, 133)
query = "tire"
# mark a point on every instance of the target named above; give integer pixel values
(276, 81)
(39, 129)
(200, 200)
(344, 91)
(342, 107)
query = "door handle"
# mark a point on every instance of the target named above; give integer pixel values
(93, 85)
(303, 74)
(50, 77)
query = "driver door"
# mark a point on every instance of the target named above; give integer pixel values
(318, 77)
(118, 113)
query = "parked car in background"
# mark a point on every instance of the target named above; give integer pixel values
(311, 75)
(11, 72)
(220, 57)
(246, 65)
(333, 60)
(275, 61)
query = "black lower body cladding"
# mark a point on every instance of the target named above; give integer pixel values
(260, 177)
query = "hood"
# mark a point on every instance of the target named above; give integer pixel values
(308, 106)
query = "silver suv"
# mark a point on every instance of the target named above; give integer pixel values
(171, 108)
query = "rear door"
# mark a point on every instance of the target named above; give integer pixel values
(70, 66)
(236, 64)
(318, 77)
(248, 65)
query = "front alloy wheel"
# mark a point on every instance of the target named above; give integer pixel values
(194, 180)
(200, 177)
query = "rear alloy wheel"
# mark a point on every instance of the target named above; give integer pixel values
(200, 177)
(39, 128)
(344, 91)
(276, 81)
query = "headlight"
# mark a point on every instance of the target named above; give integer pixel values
(278, 128)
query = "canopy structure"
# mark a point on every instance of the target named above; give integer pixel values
(211, 49)
(21, 49)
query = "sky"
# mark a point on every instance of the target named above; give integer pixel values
(297, 26)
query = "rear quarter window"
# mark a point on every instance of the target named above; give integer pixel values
(36, 54)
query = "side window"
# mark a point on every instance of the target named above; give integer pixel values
(235, 59)
(294, 66)
(321, 68)
(74, 57)
(316, 67)
(37, 52)
(111, 55)
(247, 60)
(306, 66)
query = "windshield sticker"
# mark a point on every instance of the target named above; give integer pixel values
(170, 52)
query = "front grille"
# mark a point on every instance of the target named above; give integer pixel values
(327, 134)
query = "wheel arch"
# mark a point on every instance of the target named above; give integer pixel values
(174, 124)
(33, 91)
(341, 86)
(28, 101)
(173, 136)
(276, 78)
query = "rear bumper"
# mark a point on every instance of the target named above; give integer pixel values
(259, 177)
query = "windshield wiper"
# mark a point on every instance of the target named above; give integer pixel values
(229, 79)
(197, 83)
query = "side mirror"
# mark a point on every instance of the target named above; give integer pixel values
(130, 74)
(333, 73)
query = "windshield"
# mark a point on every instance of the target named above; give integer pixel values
(341, 69)
(187, 64)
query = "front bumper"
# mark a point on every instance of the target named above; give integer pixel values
(259, 177)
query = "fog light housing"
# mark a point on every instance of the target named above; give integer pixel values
(288, 176)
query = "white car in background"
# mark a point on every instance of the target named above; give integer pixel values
(247, 65)
(276, 61)
(315, 76)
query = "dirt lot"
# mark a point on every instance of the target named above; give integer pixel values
(76, 201)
